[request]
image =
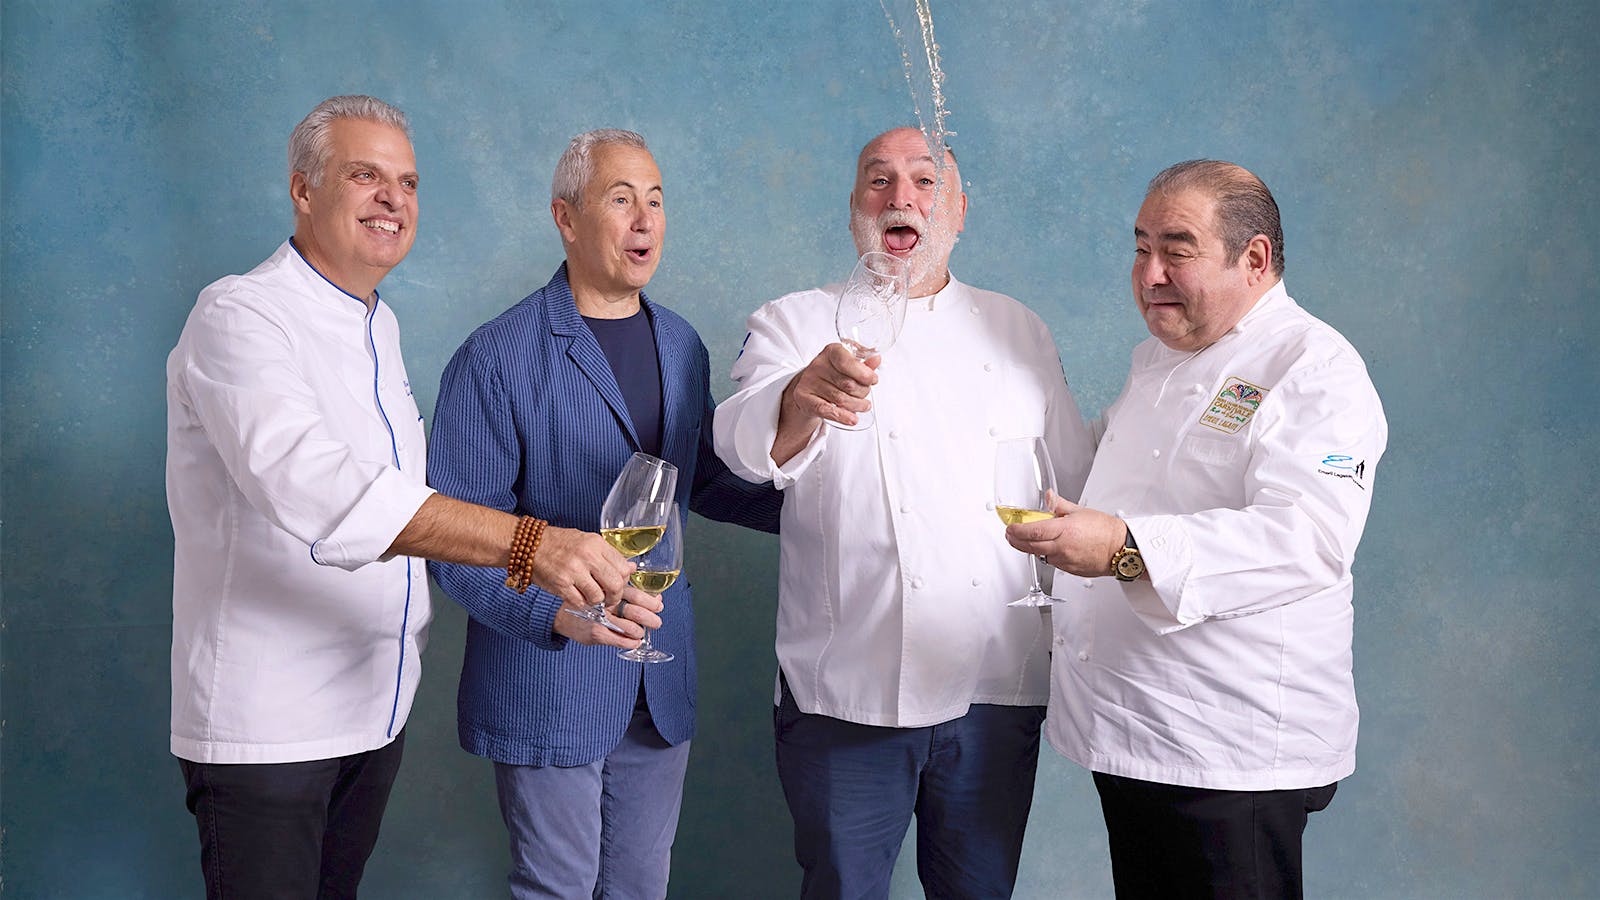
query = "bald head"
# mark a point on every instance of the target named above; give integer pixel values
(906, 205)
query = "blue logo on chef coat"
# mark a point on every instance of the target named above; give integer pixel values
(1339, 465)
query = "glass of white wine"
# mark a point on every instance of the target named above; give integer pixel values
(872, 309)
(635, 513)
(658, 569)
(1023, 479)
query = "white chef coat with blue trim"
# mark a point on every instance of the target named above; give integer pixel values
(295, 455)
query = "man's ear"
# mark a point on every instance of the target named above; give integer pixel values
(1258, 259)
(300, 193)
(561, 212)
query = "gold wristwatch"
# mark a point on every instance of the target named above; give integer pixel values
(1127, 564)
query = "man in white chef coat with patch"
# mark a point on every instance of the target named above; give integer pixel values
(1201, 665)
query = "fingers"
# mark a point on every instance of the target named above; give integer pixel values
(1060, 505)
(835, 385)
(580, 567)
(586, 631)
(640, 609)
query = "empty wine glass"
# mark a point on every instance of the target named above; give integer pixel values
(1023, 477)
(635, 514)
(872, 308)
(658, 569)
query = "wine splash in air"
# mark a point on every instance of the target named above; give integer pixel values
(925, 77)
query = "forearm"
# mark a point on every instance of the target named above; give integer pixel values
(450, 530)
(795, 427)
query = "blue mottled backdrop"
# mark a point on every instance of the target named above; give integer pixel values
(1435, 162)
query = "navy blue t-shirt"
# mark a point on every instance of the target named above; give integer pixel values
(630, 348)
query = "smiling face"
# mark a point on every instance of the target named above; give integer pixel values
(359, 221)
(614, 235)
(897, 189)
(1188, 291)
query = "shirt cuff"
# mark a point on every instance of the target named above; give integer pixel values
(542, 611)
(753, 431)
(1168, 558)
(370, 527)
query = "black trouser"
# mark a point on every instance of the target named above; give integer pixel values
(1169, 841)
(290, 831)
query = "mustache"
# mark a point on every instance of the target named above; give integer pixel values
(896, 218)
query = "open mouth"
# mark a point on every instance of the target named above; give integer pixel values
(901, 238)
(382, 226)
(642, 254)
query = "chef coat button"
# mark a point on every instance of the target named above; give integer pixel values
(1083, 656)
(989, 506)
(905, 507)
(977, 582)
(894, 435)
(973, 310)
(1111, 439)
(1155, 454)
(916, 583)
(988, 367)
(1060, 641)
(1122, 514)
(994, 431)
(1088, 583)
(1198, 389)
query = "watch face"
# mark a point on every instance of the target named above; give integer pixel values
(1129, 566)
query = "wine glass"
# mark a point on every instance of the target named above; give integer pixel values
(658, 569)
(872, 307)
(1023, 477)
(635, 514)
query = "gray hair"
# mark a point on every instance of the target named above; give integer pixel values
(1245, 207)
(310, 144)
(576, 167)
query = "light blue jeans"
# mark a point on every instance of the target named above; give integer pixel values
(602, 830)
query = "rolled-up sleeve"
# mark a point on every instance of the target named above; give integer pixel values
(746, 423)
(240, 377)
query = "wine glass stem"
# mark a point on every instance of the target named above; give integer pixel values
(1033, 574)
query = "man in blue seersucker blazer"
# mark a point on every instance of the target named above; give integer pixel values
(537, 413)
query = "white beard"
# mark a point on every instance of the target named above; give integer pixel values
(930, 259)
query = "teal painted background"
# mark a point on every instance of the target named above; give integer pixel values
(1435, 163)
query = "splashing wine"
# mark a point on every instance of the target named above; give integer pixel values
(926, 81)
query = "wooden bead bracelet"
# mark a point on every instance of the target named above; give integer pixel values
(524, 544)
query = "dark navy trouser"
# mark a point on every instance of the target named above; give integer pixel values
(852, 790)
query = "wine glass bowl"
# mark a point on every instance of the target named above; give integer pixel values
(635, 513)
(659, 567)
(871, 312)
(1023, 481)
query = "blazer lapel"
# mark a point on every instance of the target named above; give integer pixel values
(672, 349)
(584, 350)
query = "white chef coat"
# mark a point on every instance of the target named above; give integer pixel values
(1230, 668)
(894, 571)
(295, 455)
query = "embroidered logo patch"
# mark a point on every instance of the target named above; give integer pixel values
(1340, 466)
(1233, 406)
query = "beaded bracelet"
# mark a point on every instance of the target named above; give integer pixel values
(524, 544)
